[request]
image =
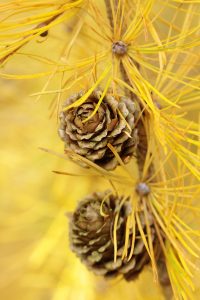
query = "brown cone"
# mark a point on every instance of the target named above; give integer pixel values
(90, 139)
(91, 236)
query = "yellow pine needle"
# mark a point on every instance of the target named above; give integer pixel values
(150, 242)
(61, 90)
(162, 220)
(149, 155)
(40, 58)
(121, 16)
(82, 63)
(143, 235)
(171, 75)
(87, 94)
(122, 117)
(177, 188)
(58, 101)
(181, 291)
(127, 237)
(182, 241)
(11, 50)
(130, 88)
(190, 207)
(41, 17)
(187, 270)
(75, 34)
(157, 172)
(180, 268)
(133, 227)
(186, 236)
(190, 166)
(112, 148)
(100, 27)
(171, 210)
(73, 174)
(169, 180)
(160, 94)
(46, 84)
(93, 166)
(115, 238)
(137, 80)
(102, 203)
(115, 227)
(100, 100)
(180, 236)
(162, 56)
(135, 26)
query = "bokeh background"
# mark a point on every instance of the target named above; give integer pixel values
(35, 257)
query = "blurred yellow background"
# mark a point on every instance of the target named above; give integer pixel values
(35, 259)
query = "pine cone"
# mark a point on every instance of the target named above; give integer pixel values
(91, 236)
(90, 139)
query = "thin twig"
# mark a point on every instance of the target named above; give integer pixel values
(143, 144)
(109, 13)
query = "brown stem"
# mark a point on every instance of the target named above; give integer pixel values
(109, 11)
(126, 79)
(164, 279)
(143, 144)
(141, 157)
(142, 147)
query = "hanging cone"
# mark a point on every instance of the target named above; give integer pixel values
(92, 241)
(113, 123)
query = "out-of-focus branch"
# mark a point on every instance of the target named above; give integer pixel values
(164, 279)
(110, 10)
(25, 41)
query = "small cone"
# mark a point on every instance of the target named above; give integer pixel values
(92, 241)
(113, 123)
